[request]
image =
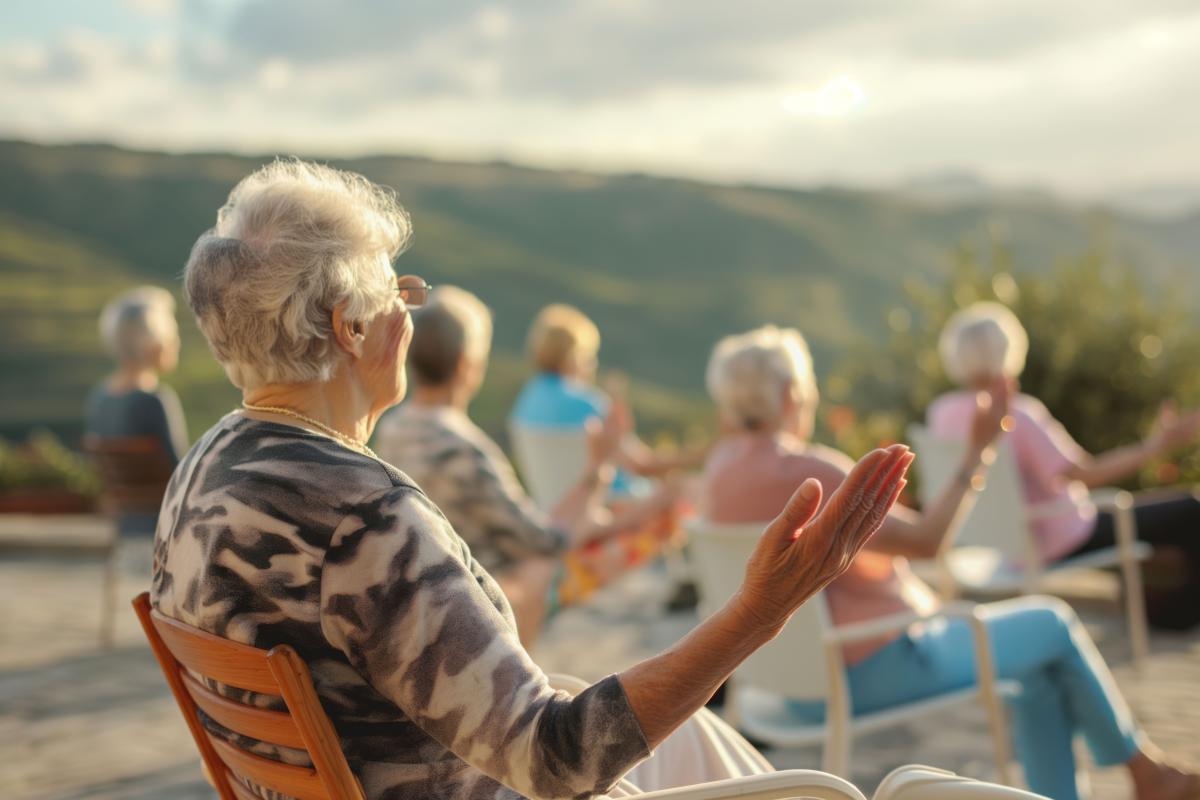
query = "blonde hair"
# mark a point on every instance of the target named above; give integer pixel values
(453, 323)
(981, 342)
(560, 336)
(137, 320)
(749, 373)
(293, 241)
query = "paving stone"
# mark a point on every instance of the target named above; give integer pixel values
(79, 722)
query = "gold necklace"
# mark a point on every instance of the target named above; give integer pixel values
(343, 439)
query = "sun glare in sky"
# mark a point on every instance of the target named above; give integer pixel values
(839, 97)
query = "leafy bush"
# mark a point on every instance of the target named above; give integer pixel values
(1104, 352)
(43, 462)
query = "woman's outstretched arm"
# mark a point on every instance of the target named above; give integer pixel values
(799, 554)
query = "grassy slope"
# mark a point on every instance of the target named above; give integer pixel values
(664, 266)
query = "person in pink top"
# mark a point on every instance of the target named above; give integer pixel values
(763, 385)
(985, 342)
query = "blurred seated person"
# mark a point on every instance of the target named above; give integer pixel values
(765, 391)
(537, 558)
(138, 327)
(986, 342)
(564, 345)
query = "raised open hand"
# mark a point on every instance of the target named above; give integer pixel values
(991, 413)
(802, 551)
(604, 438)
(1173, 429)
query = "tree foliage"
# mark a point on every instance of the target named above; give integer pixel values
(1104, 352)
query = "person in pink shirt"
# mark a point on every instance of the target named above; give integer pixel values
(986, 342)
(762, 382)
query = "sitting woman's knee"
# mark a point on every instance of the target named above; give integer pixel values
(1063, 614)
(1044, 612)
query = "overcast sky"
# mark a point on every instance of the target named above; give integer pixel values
(1085, 96)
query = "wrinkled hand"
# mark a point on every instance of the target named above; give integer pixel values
(604, 438)
(802, 551)
(991, 413)
(1173, 429)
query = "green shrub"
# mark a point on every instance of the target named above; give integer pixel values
(43, 462)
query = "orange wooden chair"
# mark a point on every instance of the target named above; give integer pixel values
(185, 652)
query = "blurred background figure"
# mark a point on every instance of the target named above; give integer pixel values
(763, 384)
(539, 559)
(131, 416)
(986, 342)
(564, 345)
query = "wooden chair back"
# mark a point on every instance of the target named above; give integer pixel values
(187, 655)
(135, 471)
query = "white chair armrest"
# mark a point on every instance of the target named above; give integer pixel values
(858, 631)
(1109, 499)
(771, 786)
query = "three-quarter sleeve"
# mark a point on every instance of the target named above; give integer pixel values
(429, 630)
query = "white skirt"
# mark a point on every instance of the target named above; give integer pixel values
(701, 750)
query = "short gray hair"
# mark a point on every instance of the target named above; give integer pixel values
(749, 373)
(981, 342)
(135, 320)
(293, 241)
(452, 324)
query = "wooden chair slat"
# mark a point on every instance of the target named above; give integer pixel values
(221, 660)
(135, 471)
(170, 668)
(240, 792)
(324, 746)
(263, 724)
(182, 649)
(301, 783)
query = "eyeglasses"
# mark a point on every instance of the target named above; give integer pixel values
(413, 291)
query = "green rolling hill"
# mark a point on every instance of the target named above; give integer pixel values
(665, 266)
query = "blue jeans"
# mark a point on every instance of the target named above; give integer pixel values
(1066, 688)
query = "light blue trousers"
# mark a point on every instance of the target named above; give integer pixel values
(1066, 689)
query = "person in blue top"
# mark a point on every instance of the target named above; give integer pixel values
(564, 345)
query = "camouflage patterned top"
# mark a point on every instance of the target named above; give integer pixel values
(270, 534)
(472, 482)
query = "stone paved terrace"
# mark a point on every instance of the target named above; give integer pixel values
(80, 722)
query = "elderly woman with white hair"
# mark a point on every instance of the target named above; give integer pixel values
(282, 526)
(138, 328)
(985, 342)
(763, 384)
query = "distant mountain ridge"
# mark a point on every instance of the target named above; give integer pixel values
(665, 266)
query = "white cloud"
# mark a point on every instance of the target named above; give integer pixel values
(1082, 95)
(153, 8)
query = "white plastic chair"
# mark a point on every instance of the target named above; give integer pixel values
(926, 783)
(906, 783)
(805, 663)
(551, 460)
(994, 551)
